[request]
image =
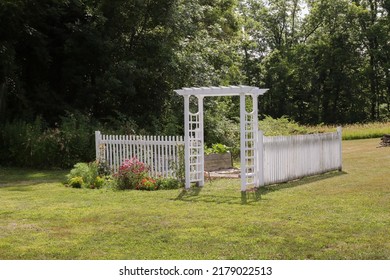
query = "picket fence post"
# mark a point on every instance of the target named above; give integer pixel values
(340, 138)
(97, 144)
(260, 158)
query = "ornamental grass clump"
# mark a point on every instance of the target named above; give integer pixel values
(132, 175)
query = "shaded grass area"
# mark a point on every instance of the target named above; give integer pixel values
(13, 176)
(333, 216)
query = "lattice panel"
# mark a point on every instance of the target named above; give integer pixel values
(195, 148)
(250, 149)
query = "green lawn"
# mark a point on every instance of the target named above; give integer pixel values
(335, 216)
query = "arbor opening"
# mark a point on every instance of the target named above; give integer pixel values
(194, 133)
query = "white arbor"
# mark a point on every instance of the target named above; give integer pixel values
(194, 139)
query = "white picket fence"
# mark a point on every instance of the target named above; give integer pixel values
(159, 153)
(285, 158)
(280, 158)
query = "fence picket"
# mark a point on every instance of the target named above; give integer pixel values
(287, 158)
(280, 158)
(159, 153)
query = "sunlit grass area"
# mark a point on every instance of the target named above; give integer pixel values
(358, 131)
(343, 215)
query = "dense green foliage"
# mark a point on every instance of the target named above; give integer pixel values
(37, 145)
(86, 175)
(116, 64)
(281, 126)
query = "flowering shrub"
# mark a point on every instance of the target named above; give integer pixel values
(130, 174)
(147, 184)
(133, 175)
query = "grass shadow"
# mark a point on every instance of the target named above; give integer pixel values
(250, 196)
(16, 175)
(18, 178)
(193, 195)
(25, 185)
(299, 182)
(194, 191)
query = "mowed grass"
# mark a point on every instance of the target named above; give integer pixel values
(334, 216)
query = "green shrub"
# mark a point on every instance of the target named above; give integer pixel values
(178, 166)
(76, 139)
(21, 143)
(98, 183)
(35, 144)
(217, 149)
(88, 172)
(76, 182)
(280, 126)
(103, 168)
(168, 183)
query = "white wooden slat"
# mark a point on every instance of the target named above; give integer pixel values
(290, 157)
(283, 158)
(159, 153)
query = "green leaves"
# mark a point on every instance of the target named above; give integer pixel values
(324, 61)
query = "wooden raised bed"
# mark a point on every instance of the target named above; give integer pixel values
(214, 162)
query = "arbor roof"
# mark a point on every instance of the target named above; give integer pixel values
(221, 91)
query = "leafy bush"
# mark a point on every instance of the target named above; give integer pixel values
(89, 175)
(217, 149)
(76, 182)
(280, 126)
(36, 144)
(21, 143)
(103, 168)
(178, 166)
(98, 183)
(168, 183)
(130, 174)
(76, 139)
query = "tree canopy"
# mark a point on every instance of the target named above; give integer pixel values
(324, 61)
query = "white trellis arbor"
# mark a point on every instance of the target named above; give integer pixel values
(194, 140)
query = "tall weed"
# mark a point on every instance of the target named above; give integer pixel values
(37, 145)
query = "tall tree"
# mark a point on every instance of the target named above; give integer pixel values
(374, 26)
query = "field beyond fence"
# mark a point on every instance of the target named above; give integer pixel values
(358, 131)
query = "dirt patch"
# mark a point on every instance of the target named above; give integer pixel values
(232, 173)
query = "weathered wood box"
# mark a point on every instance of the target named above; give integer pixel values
(214, 162)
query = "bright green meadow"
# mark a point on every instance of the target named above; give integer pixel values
(333, 216)
(359, 131)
